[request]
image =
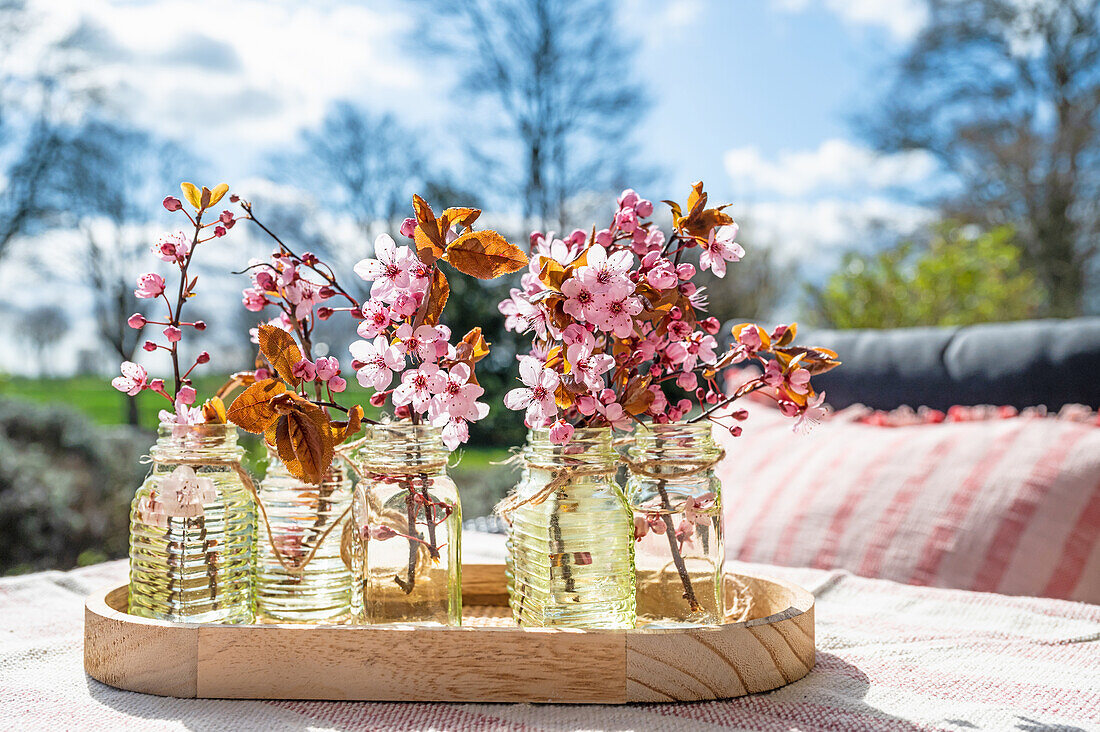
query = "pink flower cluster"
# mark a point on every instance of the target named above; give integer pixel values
(618, 331)
(282, 281)
(432, 381)
(177, 249)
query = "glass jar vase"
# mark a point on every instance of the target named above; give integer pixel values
(571, 537)
(191, 529)
(298, 574)
(677, 504)
(406, 553)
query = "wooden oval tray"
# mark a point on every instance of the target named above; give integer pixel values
(487, 660)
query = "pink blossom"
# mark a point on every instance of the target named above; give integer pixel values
(588, 367)
(173, 247)
(389, 270)
(537, 394)
(604, 237)
(186, 395)
(173, 334)
(811, 415)
(561, 432)
(327, 367)
(136, 321)
(304, 369)
(254, 300)
(380, 360)
(183, 416)
(616, 314)
(171, 203)
(405, 304)
(578, 237)
(796, 380)
(265, 281)
(628, 198)
(615, 415)
(626, 220)
(418, 386)
(721, 248)
(408, 228)
(685, 271)
(644, 208)
(419, 342)
(149, 346)
(149, 285)
(134, 378)
(697, 348)
(607, 275)
(457, 399)
(687, 380)
(663, 276)
(376, 318)
(580, 301)
(337, 384)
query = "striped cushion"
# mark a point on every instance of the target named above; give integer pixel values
(996, 505)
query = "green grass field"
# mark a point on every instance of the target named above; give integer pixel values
(481, 482)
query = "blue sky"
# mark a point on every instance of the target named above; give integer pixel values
(753, 96)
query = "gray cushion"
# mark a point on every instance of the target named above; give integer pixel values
(1022, 364)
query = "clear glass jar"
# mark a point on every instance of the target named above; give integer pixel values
(191, 530)
(307, 580)
(407, 550)
(677, 504)
(571, 541)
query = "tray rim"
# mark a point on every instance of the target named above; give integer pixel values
(634, 655)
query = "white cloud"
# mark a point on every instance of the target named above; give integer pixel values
(658, 22)
(836, 165)
(245, 74)
(818, 231)
(903, 19)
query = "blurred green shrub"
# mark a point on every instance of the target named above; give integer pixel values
(960, 277)
(65, 486)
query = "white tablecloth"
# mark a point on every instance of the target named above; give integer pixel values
(890, 657)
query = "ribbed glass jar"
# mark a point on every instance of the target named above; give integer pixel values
(311, 583)
(571, 541)
(407, 550)
(677, 504)
(191, 530)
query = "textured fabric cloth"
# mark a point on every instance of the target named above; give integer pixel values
(890, 657)
(995, 505)
(1023, 364)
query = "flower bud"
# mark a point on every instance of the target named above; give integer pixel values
(136, 321)
(149, 346)
(740, 414)
(403, 412)
(324, 313)
(172, 333)
(199, 325)
(262, 374)
(157, 385)
(408, 228)
(710, 325)
(219, 231)
(203, 357)
(378, 399)
(326, 292)
(226, 217)
(233, 198)
(309, 258)
(735, 430)
(172, 203)
(685, 271)
(265, 280)
(186, 394)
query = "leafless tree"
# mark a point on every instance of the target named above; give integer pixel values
(370, 162)
(1006, 94)
(114, 174)
(555, 75)
(35, 110)
(42, 327)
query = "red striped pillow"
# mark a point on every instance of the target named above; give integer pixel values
(998, 505)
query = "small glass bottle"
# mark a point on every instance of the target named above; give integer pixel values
(191, 530)
(307, 581)
(677, 504)
(571, 541)
(407, 550)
